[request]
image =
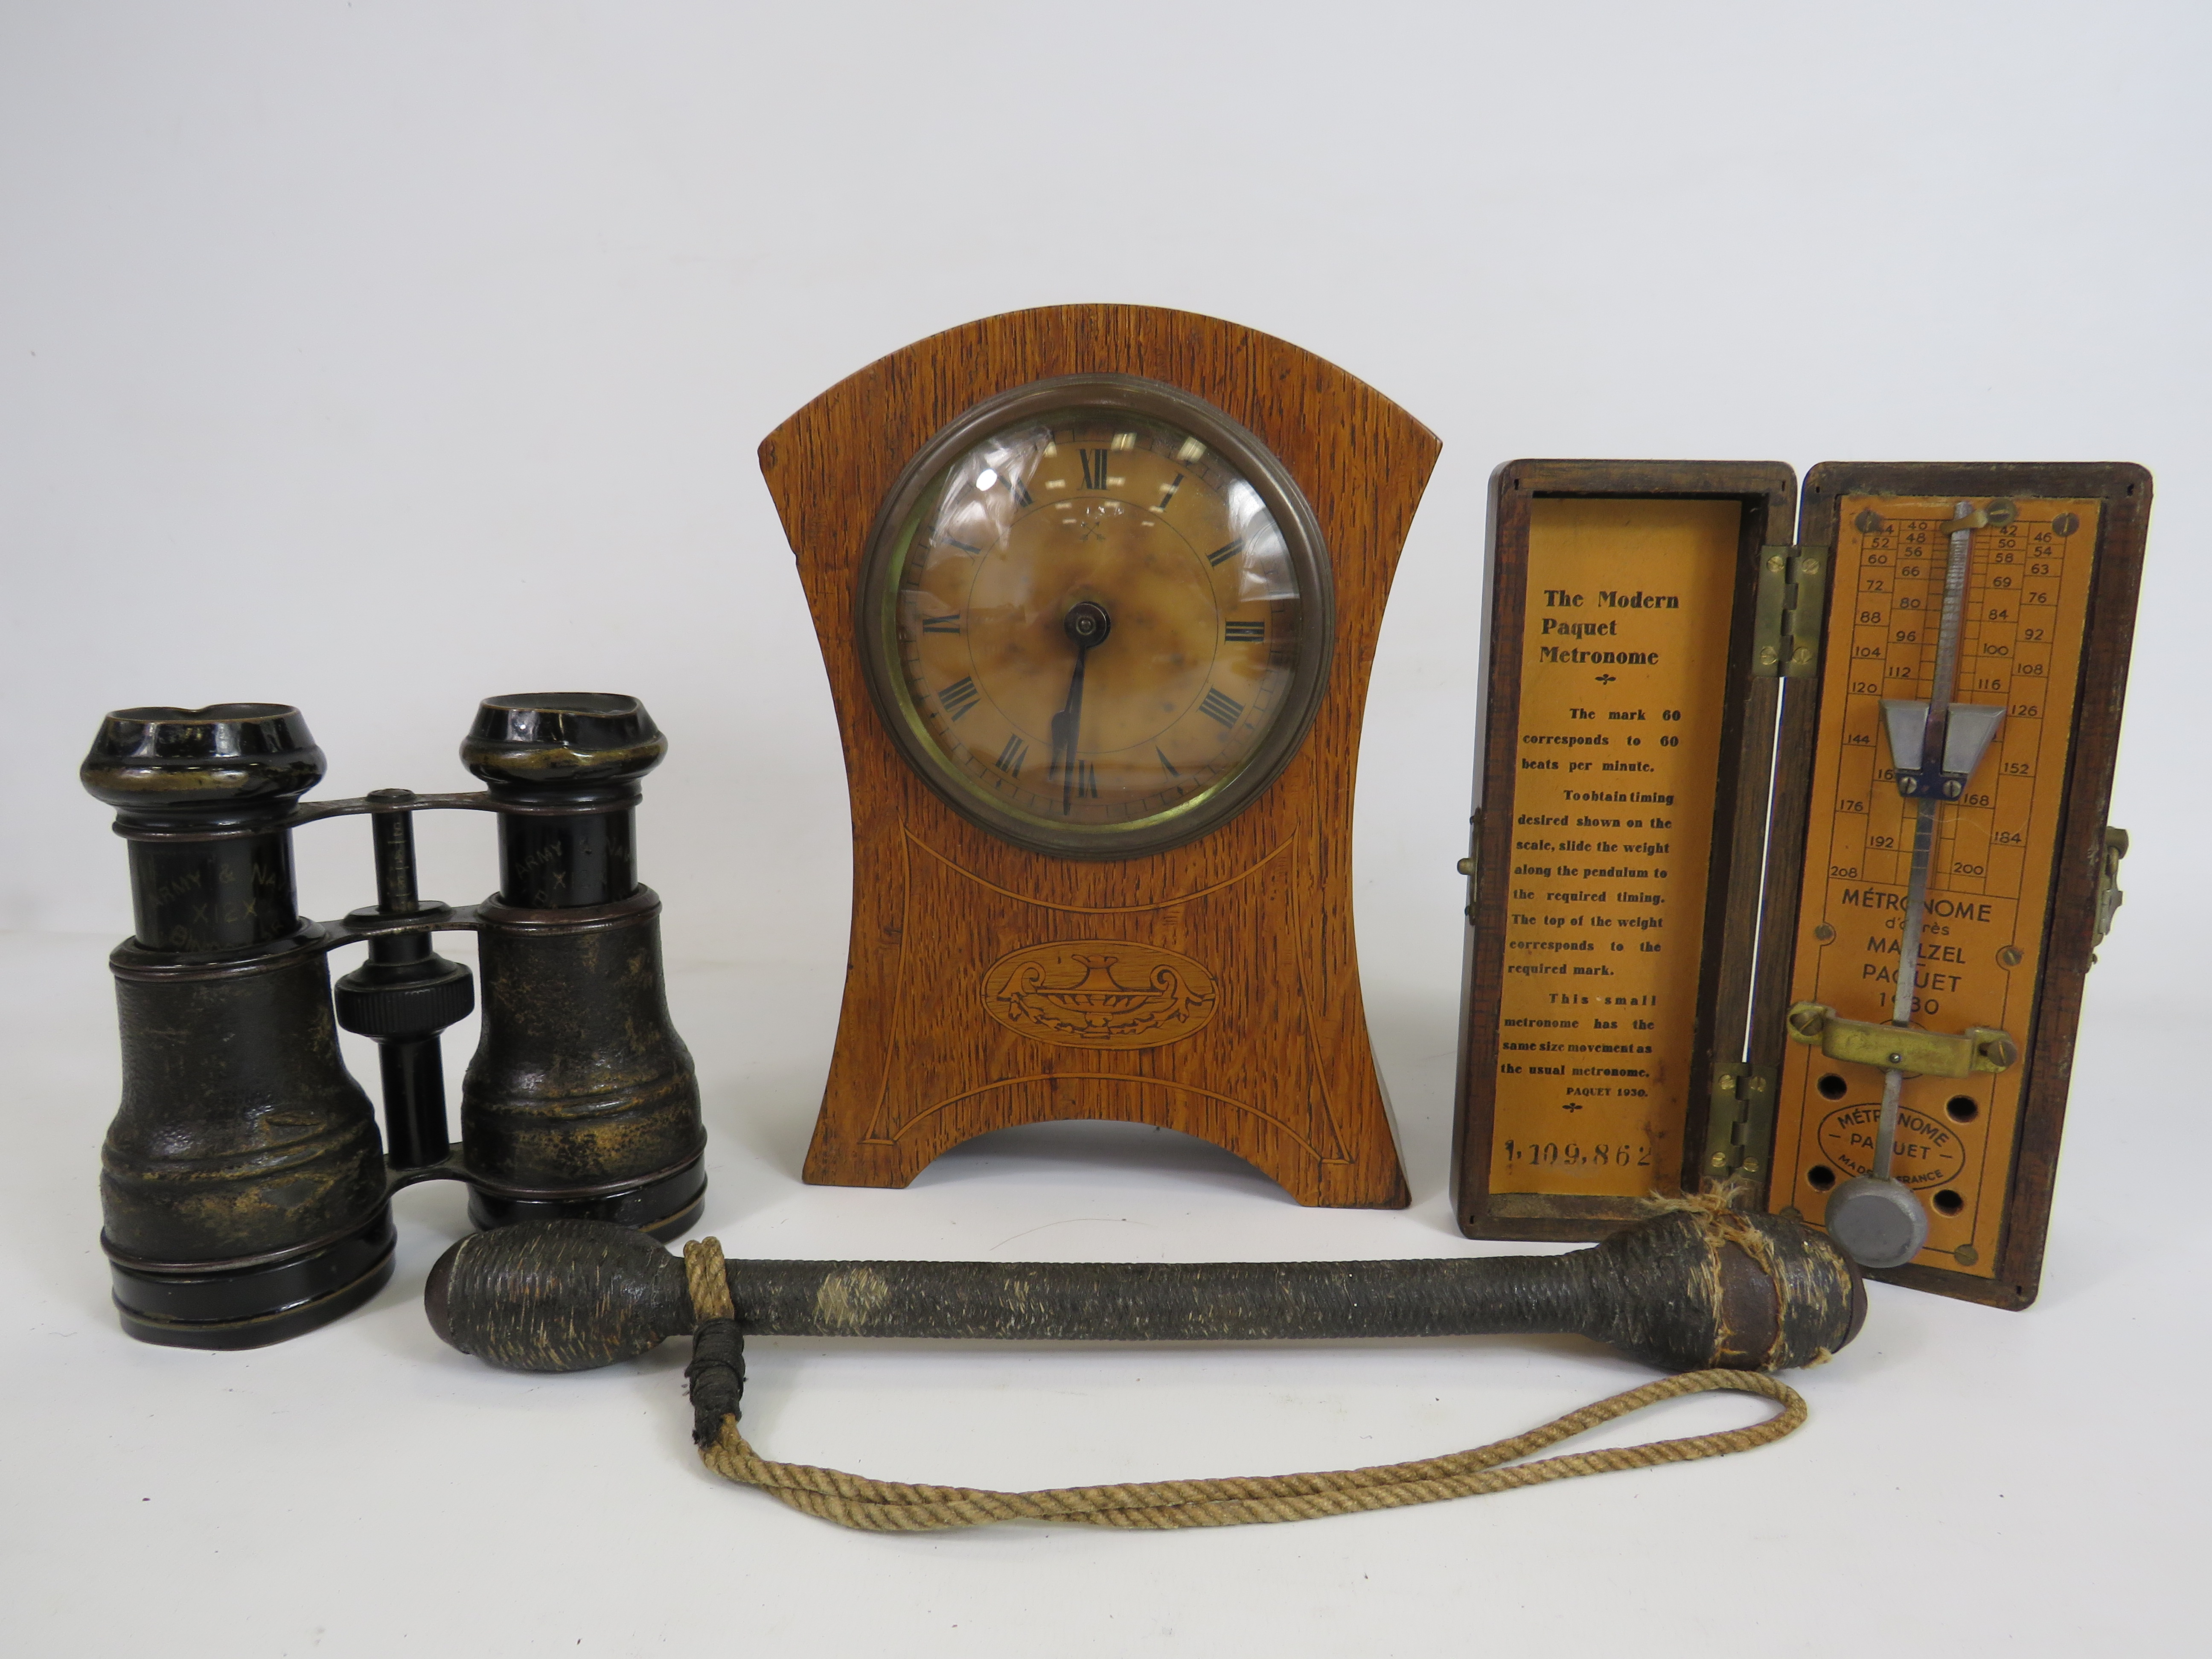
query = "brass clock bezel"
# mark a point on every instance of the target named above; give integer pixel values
(897, 520)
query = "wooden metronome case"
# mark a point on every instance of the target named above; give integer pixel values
(1663, 634)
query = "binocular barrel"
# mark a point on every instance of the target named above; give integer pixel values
(581, 1102)
(245, 1191)
(1684, 1290)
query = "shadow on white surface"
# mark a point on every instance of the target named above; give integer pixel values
(1078, 1151)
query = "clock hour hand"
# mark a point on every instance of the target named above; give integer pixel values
(1087, 624)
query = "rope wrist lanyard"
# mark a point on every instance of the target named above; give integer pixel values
(716, 1376)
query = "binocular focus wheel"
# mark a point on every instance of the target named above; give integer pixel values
(225, 1306)
(664, 1208)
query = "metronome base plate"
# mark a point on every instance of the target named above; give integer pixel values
(220, 1307)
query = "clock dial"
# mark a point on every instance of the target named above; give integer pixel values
(1097, 625)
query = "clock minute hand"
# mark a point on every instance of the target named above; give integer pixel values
(1087, 624)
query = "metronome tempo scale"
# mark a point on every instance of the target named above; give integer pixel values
(1665, 995)
(2019, 656)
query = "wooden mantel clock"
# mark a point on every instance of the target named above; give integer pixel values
(1099, 588)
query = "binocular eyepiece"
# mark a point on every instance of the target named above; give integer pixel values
(245, 1191)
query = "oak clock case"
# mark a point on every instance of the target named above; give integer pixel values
(1096, 588)
(1096, 616)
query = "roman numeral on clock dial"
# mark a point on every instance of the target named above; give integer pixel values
(1215, 706)
(957, 698)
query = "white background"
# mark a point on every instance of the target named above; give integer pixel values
(377, 357)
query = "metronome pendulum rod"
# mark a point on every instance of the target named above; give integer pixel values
(1873, 1216)
(1927, 808)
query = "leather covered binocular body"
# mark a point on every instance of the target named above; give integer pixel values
(245, 1191)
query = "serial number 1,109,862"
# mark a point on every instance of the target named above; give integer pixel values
(1574, 1154)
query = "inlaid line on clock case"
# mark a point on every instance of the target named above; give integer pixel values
(1101, 758)
(1755, 948)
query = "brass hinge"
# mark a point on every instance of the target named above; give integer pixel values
(1468, 866)
(2109, 897)
(1740, 1122)
(1793, 582)
(1900, 1048)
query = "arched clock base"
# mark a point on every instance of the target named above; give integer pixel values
(1308, 1173)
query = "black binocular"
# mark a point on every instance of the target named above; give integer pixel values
(245, 1194)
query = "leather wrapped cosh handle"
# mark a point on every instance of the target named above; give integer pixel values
(1688, 1289)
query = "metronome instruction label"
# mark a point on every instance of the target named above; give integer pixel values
(1623, 687)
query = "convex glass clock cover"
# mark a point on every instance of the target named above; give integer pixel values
(1096, 616)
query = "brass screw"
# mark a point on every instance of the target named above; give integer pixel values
(1824, 932)
(2009, 956)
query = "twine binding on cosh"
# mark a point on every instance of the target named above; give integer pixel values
(866, 1504)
